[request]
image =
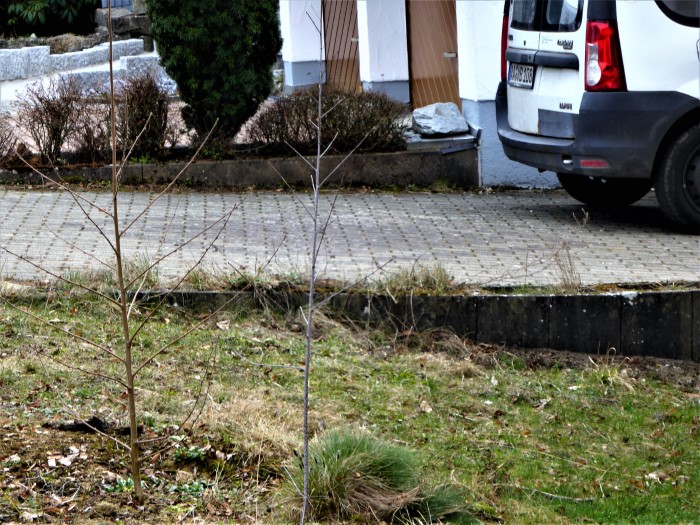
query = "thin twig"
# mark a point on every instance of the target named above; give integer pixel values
(172, 183)
(183, 277)
(224, 218)
(553, 496)
(84, 252)
(59, 329)
(102, 433)
(61, 185)
(60, 277)
(184, 335)
(84, 371)
(133, 145)
(266, 365)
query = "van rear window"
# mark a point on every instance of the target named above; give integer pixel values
(686, 12)
(552, 16)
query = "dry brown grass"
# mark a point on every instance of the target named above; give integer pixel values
(268, 426)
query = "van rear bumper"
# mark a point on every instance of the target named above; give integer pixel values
(622, 130)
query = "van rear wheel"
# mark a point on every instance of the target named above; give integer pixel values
(678, 183)
(604, 193)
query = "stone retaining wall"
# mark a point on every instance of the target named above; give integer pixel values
(458, 169)
(31, 62)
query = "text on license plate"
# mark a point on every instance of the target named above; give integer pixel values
(521, 75)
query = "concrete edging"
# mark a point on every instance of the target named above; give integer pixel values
(400, 169)
(659, 324)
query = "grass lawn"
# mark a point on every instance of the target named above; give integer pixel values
(528, 437)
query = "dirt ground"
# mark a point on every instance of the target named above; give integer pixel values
(683, 374)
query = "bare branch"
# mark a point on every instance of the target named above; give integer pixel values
(75, 195)
(182, 278)
(133, 145)
(60, 277)
(172, 183)
(552, 496)
(224, 218)
(302, 157)
(77, 198)
(331, 109)
(266, 365)
(182, 336)
(59, 329)
(132, 303)
(330, 145)
(346, 157)
(102, 433)
(351, 285)
(85, 371)
(299, 201)
(318, 29)
(84, 252)
(202, 321)
(204, 381)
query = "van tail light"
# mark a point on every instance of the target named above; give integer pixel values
(604, 69)
(504, 42)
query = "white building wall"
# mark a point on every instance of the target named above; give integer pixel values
(302, 52)
(383, 47)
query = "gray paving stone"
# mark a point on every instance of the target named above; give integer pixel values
(503, 238)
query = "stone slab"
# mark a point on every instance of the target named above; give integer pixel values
(585, 323)
(657, 324)
(518, 320)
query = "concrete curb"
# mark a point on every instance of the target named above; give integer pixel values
(401, 169)
(658, 324)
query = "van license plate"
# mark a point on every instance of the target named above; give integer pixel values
(521, 75)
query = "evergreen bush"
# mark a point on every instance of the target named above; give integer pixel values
(220, 54)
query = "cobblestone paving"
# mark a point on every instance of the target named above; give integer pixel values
(499, 238)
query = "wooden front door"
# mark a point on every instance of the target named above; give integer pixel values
(432, 44)
(342, 55)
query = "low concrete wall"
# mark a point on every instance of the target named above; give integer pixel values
(659, 324)
(386, 170)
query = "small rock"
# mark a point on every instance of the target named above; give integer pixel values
(440, 119)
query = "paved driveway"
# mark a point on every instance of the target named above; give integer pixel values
(501, 238)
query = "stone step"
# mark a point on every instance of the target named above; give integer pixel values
(95, 79)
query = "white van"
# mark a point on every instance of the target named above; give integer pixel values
(606, 94)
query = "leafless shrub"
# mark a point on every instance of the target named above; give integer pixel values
(142, 109)
(7, 140)
(142, 122)
(369, 118)
(92, 143)
(49, 113)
